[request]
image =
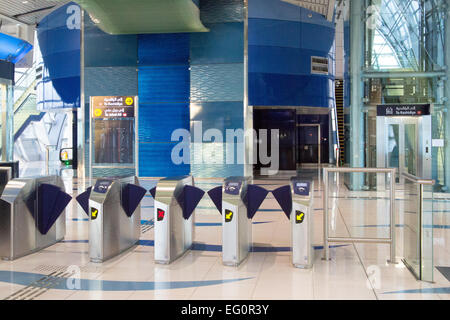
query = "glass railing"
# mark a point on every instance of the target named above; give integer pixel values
(416, 210)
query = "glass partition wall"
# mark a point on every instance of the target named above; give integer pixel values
(404, 63)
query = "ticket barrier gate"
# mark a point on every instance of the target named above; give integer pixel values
(175, 201)
(32, 215)
(113, 207)
(237, 201)
(296, 201)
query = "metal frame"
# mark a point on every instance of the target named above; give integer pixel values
(327, 239)
(319, 142)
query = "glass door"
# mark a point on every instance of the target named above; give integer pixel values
(402, 146)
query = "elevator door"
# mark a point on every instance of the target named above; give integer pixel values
(402, 146)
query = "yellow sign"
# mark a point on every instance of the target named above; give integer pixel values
(299, 217)
(129, 101)
(98, 112)
(94, 213)
(228, 215)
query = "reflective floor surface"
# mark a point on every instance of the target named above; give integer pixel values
(355, 271)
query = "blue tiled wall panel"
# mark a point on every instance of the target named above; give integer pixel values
(155, 161)
(158, 121)
(102, 49)
(110, 81)
(113, 172)
(223, 44)
(271, 32)
(163, 49)
(213, 11)
(164, 84)
(219, 115)
(288, 90)
(217, 82)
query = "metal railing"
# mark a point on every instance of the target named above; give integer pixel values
(327, 239)
(418, 246)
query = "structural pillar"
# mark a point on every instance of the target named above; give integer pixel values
(357, 89)
(447, 99)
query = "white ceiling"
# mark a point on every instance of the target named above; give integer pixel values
(26, 11)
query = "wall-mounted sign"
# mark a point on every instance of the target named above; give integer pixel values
(113, 107)
(403, 110)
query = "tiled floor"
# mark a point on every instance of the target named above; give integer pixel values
(358, 271)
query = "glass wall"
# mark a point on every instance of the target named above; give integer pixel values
(404, 45)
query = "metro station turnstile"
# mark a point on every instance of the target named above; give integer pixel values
(113, 207)
(32, 215)
(296, 201)
(237, 201)
(175, 201)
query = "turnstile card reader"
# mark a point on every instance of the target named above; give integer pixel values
(175, 201)
(32, 215)
(237, 201)
(14, 165)
(296, 202)
(113, 207)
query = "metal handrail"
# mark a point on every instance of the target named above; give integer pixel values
(327, 239)
(417, 180)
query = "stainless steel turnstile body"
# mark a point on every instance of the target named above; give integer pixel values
(173, 233)
(237, 227)
(19, 235)
(111, 230)
(302, 223)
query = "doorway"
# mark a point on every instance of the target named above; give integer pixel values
(309, 145)
(404, 143)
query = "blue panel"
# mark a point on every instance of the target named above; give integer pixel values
(158, 121)
(157, 49)
(280, 60)
(61, 65)
(223, 44)
(6, 70)
(219, 115)
(312, 32)
(155, 161)
(110, 82)
(288, 90)
(102, 49)
(279, 10)
(213, 11)
(169, 84)
(13, 49)
(221, 82)
(270, 32)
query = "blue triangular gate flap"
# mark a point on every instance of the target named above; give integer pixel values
(216, 197)
(254, 198)
(132, 196)
(51, 204)
(29, 202)
(83, 200)
(189, 199)
(284, 198)
(153, 192)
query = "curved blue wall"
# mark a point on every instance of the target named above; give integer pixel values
(281, 40)
(58, 53)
